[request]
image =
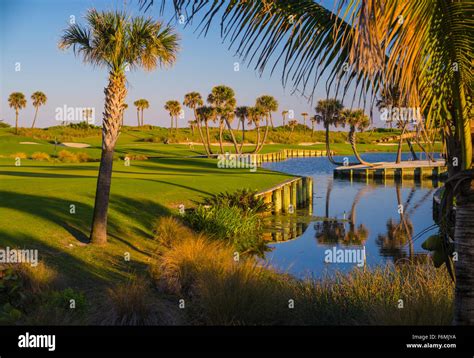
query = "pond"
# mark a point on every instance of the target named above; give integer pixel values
(352, 223)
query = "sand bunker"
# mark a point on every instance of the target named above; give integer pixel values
(75, 145)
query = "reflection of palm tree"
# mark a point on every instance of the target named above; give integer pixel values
(398, 234)
(331, 230)
(357, 235)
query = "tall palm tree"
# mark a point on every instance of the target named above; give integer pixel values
(327, 113)
(174, 109)
(304, 115)
(313, 120)
(255, 115)
(17, 101)
(125, 106)
(39, 99)
(138, 103)
(268, 104)
(206, 114)
(116, 41)
(193, 100)
(284, 114)
(144, 105)
(242, 114)
(357, 121)
(427, 55)
(222, 98)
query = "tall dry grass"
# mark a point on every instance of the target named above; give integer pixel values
(222, 291)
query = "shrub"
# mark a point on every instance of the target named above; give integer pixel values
(135, 156)
(41, 156)
(228, 223)
(20, 155)
(4, 125)
(169, 230)
(244, 199)
(132, 304)
(69, 157)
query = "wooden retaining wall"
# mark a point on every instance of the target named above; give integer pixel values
(290, 195)
(288, 153)
(416, 173)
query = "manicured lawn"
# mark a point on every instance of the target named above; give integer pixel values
(36, 199)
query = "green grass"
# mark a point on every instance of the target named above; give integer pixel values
(36, 199)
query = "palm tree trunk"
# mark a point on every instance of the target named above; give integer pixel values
(143, 122)
(237, 151)
(172, 121)
(464, 247)
(115, 94)
(221, 130)
(400, 142)
(328, 148)
(264, 136)
(352, 141)
(138, 117)
(412, 150)
(16, 121)
(258, 138)
(243, 136)
(34, 119)
(208, 136)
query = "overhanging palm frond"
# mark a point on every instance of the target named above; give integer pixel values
(301, 36)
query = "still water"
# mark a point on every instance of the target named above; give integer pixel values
(351, 221)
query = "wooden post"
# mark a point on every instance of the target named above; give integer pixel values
(299, 193)
(286, 198)
(277, 201)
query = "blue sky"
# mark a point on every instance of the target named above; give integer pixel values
(29, 33)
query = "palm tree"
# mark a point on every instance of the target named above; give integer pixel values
(242, 115)
(304, 115)
(206, 114)
(357, 120)
(138, 104)
(222, 98)
(365, 45)
(292, 124)
(313, 121)
(125, 106)
(17, 101)
(327, 113)
(39, 99)
(284, 114)
(117, 42)
(87, 113)
(174, 109)
(268, 104)
(193, 100)
(144, 105)
(254, 115)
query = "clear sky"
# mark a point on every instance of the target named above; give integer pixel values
(29, 34)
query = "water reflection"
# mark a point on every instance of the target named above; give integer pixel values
(383, 218)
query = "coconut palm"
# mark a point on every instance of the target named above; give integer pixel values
(17, 101)
(222, 98)
(357, 121)
(284, 114)
(39, 99)
(174, 109)
(207, 114)
(117, 42)
(424, 46)
(193, 100)
(313, 121)
(304, 115)
(242, 115)
(327, 113)
(268, 104)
